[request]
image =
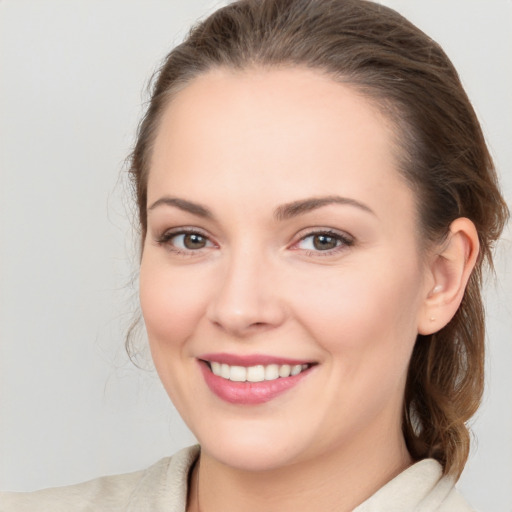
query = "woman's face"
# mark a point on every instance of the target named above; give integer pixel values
(281, 238)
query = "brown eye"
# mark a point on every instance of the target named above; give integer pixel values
(193, 241)
(183, 242)
(325, 242)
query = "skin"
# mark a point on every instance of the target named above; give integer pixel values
(242, 145)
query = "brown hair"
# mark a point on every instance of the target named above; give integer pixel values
(443, 157)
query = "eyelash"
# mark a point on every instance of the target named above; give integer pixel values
(166, 238)
(344, 241)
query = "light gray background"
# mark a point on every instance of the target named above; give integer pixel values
(71, 92)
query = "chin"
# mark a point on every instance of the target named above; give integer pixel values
(252, 451)
(249, 456)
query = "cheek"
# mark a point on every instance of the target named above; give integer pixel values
(171, 303)
(367, 313)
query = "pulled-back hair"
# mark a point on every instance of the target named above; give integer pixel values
(442, 152)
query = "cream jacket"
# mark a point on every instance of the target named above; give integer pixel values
(163, 488)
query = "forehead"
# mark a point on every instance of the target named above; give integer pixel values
(280, 132)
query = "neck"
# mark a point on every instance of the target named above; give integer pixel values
(337, 481)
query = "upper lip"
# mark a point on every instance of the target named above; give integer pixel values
(251, 359)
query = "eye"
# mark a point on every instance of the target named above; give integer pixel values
(189, 241)
(184, 241)
(325, 241)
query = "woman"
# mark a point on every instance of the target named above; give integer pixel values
(316, 204)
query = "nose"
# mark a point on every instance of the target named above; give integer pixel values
(247, 299)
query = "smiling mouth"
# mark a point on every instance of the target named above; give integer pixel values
(252, 379)
(257, 373)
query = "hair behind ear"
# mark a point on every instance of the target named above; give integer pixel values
(446, 374)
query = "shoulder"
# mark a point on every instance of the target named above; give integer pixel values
(421, 488)
(454, 502)
(111, 491)
(161, 486)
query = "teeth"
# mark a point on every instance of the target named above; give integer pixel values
(238, 373)
(296, 369)
(257, 373)
(224, 371)
(216, 368)
(284, 370)
(272, 372)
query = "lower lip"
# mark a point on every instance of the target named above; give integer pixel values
(249, 393)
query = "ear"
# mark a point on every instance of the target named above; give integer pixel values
(449, 269)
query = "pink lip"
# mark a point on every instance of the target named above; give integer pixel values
(249, 393)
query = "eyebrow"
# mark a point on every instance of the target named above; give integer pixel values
(183, 204)
(283, 212)
(295, 208)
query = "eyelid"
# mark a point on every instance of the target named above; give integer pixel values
(345, 238)
(167, 235)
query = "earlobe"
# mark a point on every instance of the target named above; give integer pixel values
(450, 267)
